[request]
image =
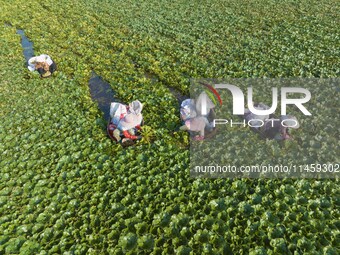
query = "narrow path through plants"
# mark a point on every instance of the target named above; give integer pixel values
(26, 44)
(176, 93)
(102, 93)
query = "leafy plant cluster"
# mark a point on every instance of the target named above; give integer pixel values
(66, 189)
(316, 141)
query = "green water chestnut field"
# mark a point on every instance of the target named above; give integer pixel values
(65, 188)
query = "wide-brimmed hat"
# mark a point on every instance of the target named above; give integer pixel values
(188, 109)
(135, 107)
(188, 102)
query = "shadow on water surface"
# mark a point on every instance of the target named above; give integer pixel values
(102, 93)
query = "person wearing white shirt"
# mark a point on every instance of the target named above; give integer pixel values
(43, 64)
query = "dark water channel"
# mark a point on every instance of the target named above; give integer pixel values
(26, 44)
(178, 95)
(102, 93)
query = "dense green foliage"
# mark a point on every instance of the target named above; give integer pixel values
(315, 142)
(66, 188)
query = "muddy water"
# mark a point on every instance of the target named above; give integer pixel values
(102, 93)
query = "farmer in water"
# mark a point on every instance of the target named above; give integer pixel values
(126, 120)
(43, 64)
(279, 129)
(256, 120)
(269, 126)
(195, 115)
